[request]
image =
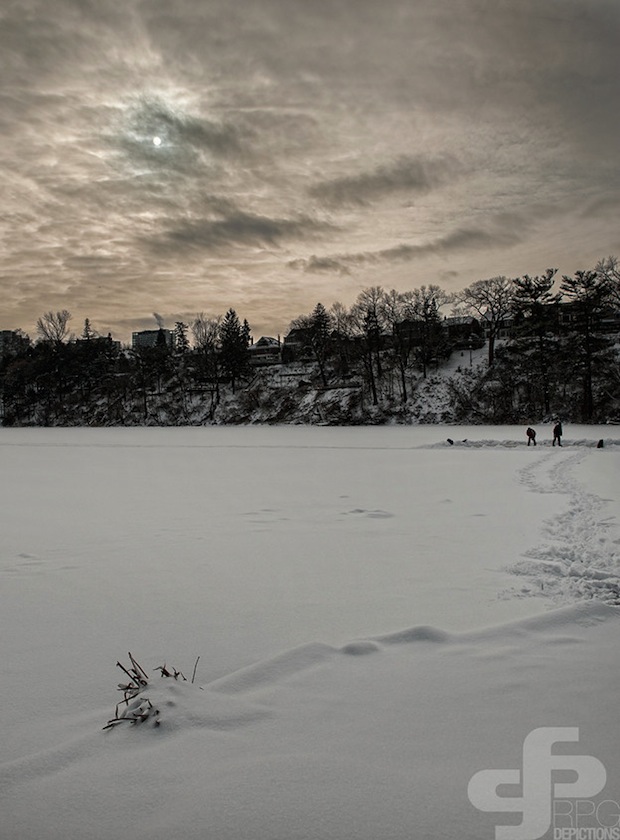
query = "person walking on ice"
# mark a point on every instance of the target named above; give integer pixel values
(557, 434)
(531, 436)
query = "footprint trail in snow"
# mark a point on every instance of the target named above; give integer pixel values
(579, 557)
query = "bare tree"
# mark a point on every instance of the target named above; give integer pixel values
(367, 312)
(397, 309)
(609, 268)
(371, 300)
(205, 330)
(54, 326)
(491, 300)
(343, 330)
(206, 333)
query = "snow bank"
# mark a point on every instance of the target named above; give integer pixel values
(321, 742)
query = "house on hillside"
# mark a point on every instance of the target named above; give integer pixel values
(297, 345)
(463, 332)
(610, 321)
(101, 342)
(410, 331)
(570, 314)
(506, 328)
(265, 351)
(152, 338)
(13, 341)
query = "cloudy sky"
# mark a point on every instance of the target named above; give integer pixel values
(184, 156)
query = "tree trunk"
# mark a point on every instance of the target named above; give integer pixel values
(491, 348)
(371, 378)
(403, 381)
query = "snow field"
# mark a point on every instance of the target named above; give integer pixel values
(293, 561)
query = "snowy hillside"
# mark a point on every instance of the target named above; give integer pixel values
(292, 394)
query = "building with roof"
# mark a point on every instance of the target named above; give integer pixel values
(152, 338)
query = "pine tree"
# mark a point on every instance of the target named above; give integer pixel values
(588, 293)
(320, 326)
(88, 333)
(536, 308)
(246, 332)
(234, 343)
(181, 341)
(161, 342)
(432, 345)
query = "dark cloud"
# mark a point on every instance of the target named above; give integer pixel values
(476, 239)
(405, 175)
(459, 240)
(315, 265)
(236, 229)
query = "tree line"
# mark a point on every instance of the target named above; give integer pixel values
(61, 378)
(559, 345)
(558, 358)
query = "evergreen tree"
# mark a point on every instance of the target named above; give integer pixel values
(181, 341)
(234, 343)
(320, 328)
(88, 333)
(588, 294)
(536, 310)
(246, 332)
(425, 306)
(181, 357)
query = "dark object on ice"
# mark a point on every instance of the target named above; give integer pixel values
(557, 434)
(531, 436)
(450, 441)
(600, 444)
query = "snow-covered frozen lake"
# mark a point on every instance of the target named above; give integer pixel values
(268, 552)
